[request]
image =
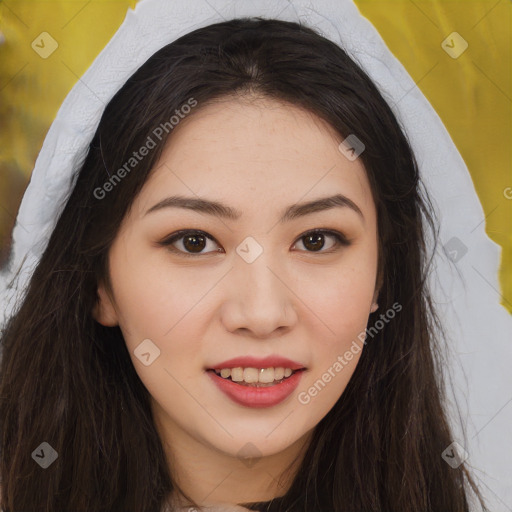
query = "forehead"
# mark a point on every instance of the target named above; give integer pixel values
(255, 152)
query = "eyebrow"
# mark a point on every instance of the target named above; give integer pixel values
(294, 211)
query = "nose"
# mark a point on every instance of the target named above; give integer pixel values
(260, 301)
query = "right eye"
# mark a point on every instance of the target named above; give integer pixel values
(193, 242)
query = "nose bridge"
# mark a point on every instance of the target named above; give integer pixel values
(261, 299)
(255, 270)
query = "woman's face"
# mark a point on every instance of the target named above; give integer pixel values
(252, 283)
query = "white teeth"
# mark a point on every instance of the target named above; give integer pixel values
(237, 374)
(278, 373)
(250, 375)
(266, 375)
(255, 375)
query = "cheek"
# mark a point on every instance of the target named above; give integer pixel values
(343, 308)
(339, 300)
(340, 296)
(149, 300)
(160, 303)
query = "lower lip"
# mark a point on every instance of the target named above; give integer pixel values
(250, 396)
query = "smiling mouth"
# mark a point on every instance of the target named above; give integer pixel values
(256, 377)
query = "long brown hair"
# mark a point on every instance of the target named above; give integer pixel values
(69, 381)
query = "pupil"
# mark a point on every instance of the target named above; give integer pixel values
(197, 244)
(315, 241)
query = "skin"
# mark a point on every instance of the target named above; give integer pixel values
(259, 156)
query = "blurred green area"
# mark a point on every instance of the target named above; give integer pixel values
(472, 94)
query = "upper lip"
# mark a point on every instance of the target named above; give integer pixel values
(258, 362)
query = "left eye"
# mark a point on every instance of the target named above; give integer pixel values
(315, 240)
(194, 241)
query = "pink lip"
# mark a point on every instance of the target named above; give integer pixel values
(256, 397)
(255, 362)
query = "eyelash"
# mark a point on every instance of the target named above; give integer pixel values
(340, 238)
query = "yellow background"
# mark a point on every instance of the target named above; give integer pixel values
(472, 94)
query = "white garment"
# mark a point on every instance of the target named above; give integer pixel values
(480, 329)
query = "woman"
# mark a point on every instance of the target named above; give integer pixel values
(182, 271)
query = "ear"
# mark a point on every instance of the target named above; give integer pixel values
(378, 286)
(104, 311)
